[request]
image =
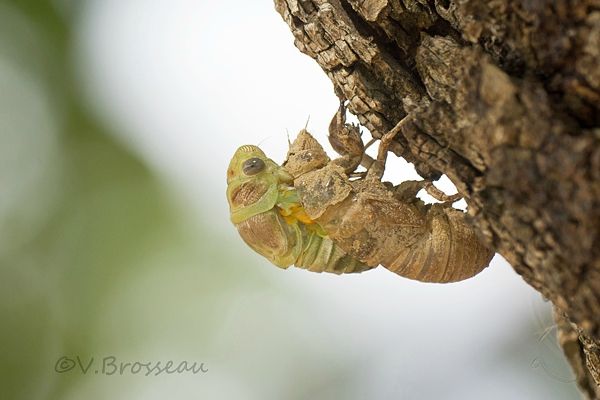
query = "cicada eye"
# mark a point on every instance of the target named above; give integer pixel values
(253, 166)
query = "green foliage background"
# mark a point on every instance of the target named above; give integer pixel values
(81, 220)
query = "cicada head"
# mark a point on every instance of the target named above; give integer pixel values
(304, 155)
(252, 183)
(247, 161)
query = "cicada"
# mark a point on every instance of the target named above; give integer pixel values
(321, 215)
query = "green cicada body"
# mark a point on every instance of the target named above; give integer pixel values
(269, 217)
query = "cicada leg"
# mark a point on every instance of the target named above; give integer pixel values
(437, 194)
(346, 141)
(366, 162)
(377, 169)
(407, 190)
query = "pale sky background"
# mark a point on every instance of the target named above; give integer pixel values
(184, 83)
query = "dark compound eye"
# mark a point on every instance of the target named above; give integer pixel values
(253, 166)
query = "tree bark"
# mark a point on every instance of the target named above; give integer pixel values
(504, 98)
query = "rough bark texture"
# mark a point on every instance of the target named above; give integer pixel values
(504, 98)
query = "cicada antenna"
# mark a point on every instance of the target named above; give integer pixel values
(264, 140)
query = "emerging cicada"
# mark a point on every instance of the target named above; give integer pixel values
(310, 214)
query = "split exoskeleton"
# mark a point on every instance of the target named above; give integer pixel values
(311, 214)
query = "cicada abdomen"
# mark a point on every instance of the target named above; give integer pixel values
(448, 250)
(429, 243)
(266, 212)
(286, 244)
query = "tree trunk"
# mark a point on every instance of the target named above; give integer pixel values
(504, 98)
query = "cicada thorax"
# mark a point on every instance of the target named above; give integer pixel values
(426, 243)
(269, 218)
